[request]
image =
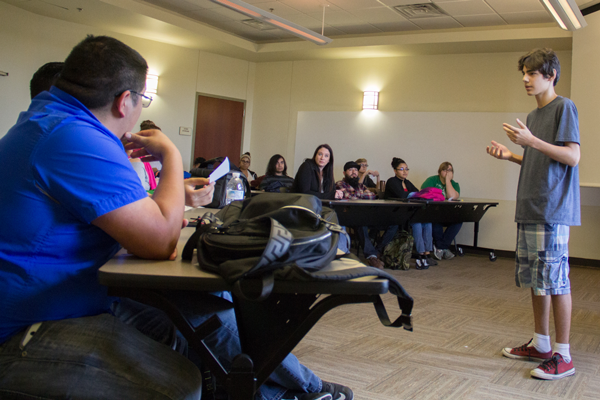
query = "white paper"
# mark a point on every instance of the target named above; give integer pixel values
(220, 171)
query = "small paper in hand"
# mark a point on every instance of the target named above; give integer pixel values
(220, 171)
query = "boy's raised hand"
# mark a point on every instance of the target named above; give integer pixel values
(499, 151)
(521, 135)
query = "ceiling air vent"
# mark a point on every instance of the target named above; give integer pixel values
(261, 26)
(425, 10)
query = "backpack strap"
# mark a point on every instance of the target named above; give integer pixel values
(208, 221)
(405, 301)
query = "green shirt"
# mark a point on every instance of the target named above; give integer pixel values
(436, 182)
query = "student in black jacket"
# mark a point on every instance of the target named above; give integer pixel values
(315, 175)
(276, 176)
(399, 187)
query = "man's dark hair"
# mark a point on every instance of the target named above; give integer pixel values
(397, 161)
(100, 68)
(545, 61)
(272, 166)
(45, 77)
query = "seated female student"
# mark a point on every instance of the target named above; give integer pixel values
(315, 175)
(443, 239)
(245, 160)
(276, 176)
(399, 187)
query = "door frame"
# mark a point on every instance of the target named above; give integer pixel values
(196, 119)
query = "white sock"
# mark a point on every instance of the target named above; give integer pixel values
(541, 343)
(563, 350)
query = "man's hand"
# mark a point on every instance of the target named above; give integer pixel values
(198, 197)
(339, 194)
(521, 136)
(152, 145)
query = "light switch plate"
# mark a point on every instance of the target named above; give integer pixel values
(185, 131)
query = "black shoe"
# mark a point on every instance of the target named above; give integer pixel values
(338, 392)
(421, 262)
(431, 261)
(306, 396)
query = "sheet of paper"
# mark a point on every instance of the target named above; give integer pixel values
(220, 171)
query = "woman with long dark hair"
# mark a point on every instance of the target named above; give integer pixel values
(315, 175)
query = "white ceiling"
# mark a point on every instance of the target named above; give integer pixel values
(359, 28)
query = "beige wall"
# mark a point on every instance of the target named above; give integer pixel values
(442, 83)
(28, 41)
(276, 92)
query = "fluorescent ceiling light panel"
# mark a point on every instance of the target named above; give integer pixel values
(263, 16)
(566, 13)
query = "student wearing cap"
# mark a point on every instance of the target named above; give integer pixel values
(352, 189)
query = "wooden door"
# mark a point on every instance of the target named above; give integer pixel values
(219, 124)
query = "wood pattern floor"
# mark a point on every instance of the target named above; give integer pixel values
(466, 310)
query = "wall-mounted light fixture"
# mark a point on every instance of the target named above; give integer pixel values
(267, 17)
(566, 13)
(151, 83)
(370, 100)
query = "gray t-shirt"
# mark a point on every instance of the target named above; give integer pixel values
(548, 191)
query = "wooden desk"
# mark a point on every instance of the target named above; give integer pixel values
(269, 329)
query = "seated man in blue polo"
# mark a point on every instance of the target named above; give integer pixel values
(70, 200)
(354, 190)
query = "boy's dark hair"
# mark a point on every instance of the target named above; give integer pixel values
(271, 167)
(397, 161)
(545, 61)
(199, 160)
(100, 68)
(45, 77)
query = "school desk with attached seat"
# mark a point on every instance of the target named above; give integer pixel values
(268, 329)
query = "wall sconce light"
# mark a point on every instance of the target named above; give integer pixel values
(152, 83)
(566, 13)
(370, 100)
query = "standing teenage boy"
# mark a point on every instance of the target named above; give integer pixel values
(547, 204)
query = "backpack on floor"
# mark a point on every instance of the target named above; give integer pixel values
(398, 252)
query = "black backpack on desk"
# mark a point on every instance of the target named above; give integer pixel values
(284, 236)
(220, 192)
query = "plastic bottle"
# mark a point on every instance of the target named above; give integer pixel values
(235, 189)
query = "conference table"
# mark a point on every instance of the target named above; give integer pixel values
(407, 211)
(269, 329)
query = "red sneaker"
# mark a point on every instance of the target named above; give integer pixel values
(526, 353)
(554, 368)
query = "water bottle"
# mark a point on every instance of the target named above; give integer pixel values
(235, 189)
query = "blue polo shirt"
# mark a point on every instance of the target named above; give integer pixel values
(60, 168)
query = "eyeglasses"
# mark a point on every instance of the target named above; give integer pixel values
(448, 170)
(402, 169)
(245, 161)
(364, 165)
(146, 100)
